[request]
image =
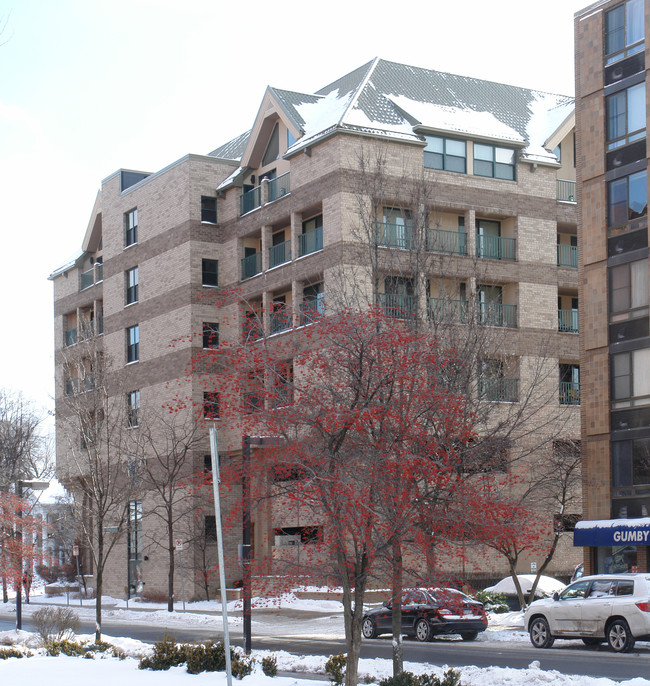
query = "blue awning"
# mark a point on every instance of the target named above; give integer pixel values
(614, 532)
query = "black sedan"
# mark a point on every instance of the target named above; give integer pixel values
(429, 612)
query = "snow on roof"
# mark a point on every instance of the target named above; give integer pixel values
(639, 522)
(326, 112)
(68, 264)
(462, 120)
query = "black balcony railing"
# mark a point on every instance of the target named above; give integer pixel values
(450, 311)
(251, 265)
(569, 393)
(279, 187)
(311, 311)
(311, 241)
(394, 235)
(250, 200)
(280, 320)
(279, 254)
(451, 242)
(397, 306)
(567, 321)
(496, 248)
(567, 256)
(497, 314)
(566, 191)
(499, 390)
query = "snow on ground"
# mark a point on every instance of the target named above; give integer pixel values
(284, 616)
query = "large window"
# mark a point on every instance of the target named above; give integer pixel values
(210, 335)
(626, 116)
(210, 272)
(208, 209)
(628, 290)
(131, 278)
(446, 154)
(624, 30)
(498, 163)
(132, 408)
(132, 344)
(134, 551)
(630, 378)
(631, 463)
(211, 405)
(131, 227)
(627, 198)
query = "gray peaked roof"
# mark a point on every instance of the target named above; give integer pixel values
(395, 100)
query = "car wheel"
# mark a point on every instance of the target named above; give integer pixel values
(368, 628)
(468, 635)
(540, 633)
(423, 630)
(620, 637)
(592, 641)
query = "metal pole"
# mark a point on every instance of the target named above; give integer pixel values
(19, 539)
(214, 451)
(180, 558)
(246, 540)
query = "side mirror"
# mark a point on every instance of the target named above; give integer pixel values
(556, 596)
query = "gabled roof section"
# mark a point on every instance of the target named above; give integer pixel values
(398, 101)
(232, 150)
(93, 236)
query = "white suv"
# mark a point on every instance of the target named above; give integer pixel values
(605, 607)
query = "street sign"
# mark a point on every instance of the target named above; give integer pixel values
(179, 544)
(75, 551)
(533, 567)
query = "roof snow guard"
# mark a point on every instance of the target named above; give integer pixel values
(612, 532)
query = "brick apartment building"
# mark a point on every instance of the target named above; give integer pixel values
(611, 124)
(280, 216)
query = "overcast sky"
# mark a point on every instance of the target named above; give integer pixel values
(89, 86)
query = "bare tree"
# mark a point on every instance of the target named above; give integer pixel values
(98, 467)
(167, 440)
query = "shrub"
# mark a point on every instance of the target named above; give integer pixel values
(335, 667)
(449, 678)
(166, 653)
(153, 597)
(70, 648)
(270, 665)
(493, 602)
(6, 653)
(55, 623)
(211, 657)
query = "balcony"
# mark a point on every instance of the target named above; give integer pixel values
(279, 254)
(497, 314)
(251, 266)
(567, 321)
(394, 235)
(451, 311)
(311, 311)
(70, 337)
(250, 200)
(310, 241)
(451, 242)
(252, 328)
(498, 390)
(496, 248)
(569, 393)
(566, 191)
(91, 276)
(279, 187)
(280, 320)
(567, 255)
(397, 306)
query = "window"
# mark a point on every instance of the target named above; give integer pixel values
(493, 385)
(254, 391)
(210, 335)
(211, 405)
(446, 154)
(498, 163)
(210, 528)
(134, 551)
(624, 30)
(131, 227)
(131, 278)
(132, 344)
(132, 407)
(283, 384)
(628, 290)
(626, 116)
(208, 209)
(631, 463)
(627, 199)
(630, 379)
(210, 272)
(396, 229)
(273, 148)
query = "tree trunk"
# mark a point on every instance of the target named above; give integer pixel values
(170, 575)
(99, 584)
(398, 646)
(5, 593)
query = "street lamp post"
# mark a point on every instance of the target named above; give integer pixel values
(35, 486)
